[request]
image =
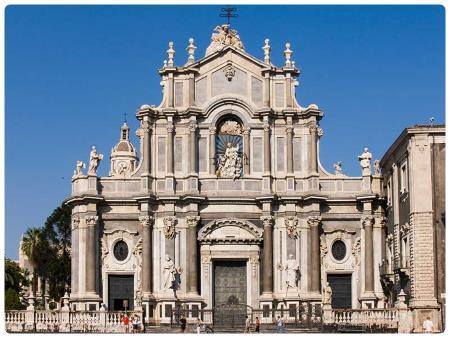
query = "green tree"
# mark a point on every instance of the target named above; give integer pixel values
(35, 248)
(15, 281)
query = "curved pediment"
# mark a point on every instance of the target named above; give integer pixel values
(230, 230)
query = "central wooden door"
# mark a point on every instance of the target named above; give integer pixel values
(341, 286)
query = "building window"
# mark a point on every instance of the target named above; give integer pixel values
(339, 250)
(404, 178)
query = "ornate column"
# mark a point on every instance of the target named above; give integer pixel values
(314, 272)
(367, 223)
(313, 149)
(91, 223)
(268, 254)
(191, 248)
(147, 254)
(290, 153)
(246, 133)
(212, 150)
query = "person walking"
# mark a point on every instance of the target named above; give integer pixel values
(257, 324)
(126, 322)
(183, 323)
(199, 325)
(248, 324)
(280, 325)
(428, 326)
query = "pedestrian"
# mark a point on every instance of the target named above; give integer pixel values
(126, 322)
(428, 326)
(183, 323)
(280, 325)
(257, 324)
(248, 323)
(199, 325)
(135, 324)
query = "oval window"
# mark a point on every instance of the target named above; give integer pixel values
(121, 250)
(339, 250)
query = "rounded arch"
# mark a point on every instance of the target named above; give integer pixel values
(254, 234)
(223, 105)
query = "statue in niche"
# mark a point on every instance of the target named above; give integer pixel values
(171, 275)
(292, 274)
(230, 163)
(94, 160)
(326, 294)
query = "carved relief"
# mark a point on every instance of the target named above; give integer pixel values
(242, 231)
(267, 220)
(91, 220)
(224, 36)
(323, 247)
(367, 221)
(169, 227)
(314, 220)
(104, 248)
(291, 226)
(230, 163)
(254, 264)
(356, 251)
(75, 223)
(146, 221)
(229, 71)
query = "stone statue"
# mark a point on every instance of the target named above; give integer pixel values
(230, 163)
(292, 274)
(94, 160)
(364, 161)
(376, 167)
(326, 294)
(224, 36)
(78, 171)
(338, 168)
(169, 272)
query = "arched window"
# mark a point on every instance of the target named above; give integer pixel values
(229, 147)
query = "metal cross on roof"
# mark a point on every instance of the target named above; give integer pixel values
(229, 13)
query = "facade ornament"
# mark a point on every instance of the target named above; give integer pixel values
(79, 169)
(356, 250)
(254, 264)
(266, 127)
(323, 247)
(191, 51)
(170, 55)
(404, 229)
(229, 71)
(367, 221)
(94, 160)
(91, 220)
(192, 221)
(230, 163)
(75, 223)
(291, 226)
(292, 274)
(364, 161)
(314, 221)
(319, 132)
(338, 168)
(327, 294)
(212, 130)
(206, 259)
(383, 221)
(192, 127)
(231, 127)
(289, 129)
(164, 66)
(170, 128)
(169, 226)
(390, 239)
(146, 221)
(266, 50)
(104, 248)
(313, 129)
(223, 36)
(376, 168)
(287, 55)
(267, 221)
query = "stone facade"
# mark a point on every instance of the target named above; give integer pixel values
(228, 170)
(414, 187)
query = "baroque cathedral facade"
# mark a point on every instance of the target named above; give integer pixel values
(224, 199)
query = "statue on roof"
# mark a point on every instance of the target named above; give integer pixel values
(224, 36)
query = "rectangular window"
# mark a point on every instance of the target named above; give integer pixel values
(404, 178)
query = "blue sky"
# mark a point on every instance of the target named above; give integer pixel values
(73, 71)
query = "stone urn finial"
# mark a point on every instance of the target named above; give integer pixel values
(266, 48)
(191, 51)
(287, 54)
(170, 54)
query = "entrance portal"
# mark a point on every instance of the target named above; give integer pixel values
(121, 292)
(230, 282)
(341, 286)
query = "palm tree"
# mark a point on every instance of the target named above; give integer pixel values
(31, 246)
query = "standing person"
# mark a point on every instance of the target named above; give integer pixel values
(280, 325)
(428, 326)
(183, 323)
(248, 323)
(257, 324)
(126, 322)
(199, 325)
(135, 324)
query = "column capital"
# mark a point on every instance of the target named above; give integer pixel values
(91, 220)
(75, 223)
(192, 127)
(267, 221)
(192, 221)
(289, 129)
(146, 221)
(170, 128)
(266, 127)
(313, 129)
(212, 130)
(367, 221)
(291, 226)
(313, 221)
(246, 131)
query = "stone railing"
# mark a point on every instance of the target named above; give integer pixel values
(366, 317)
